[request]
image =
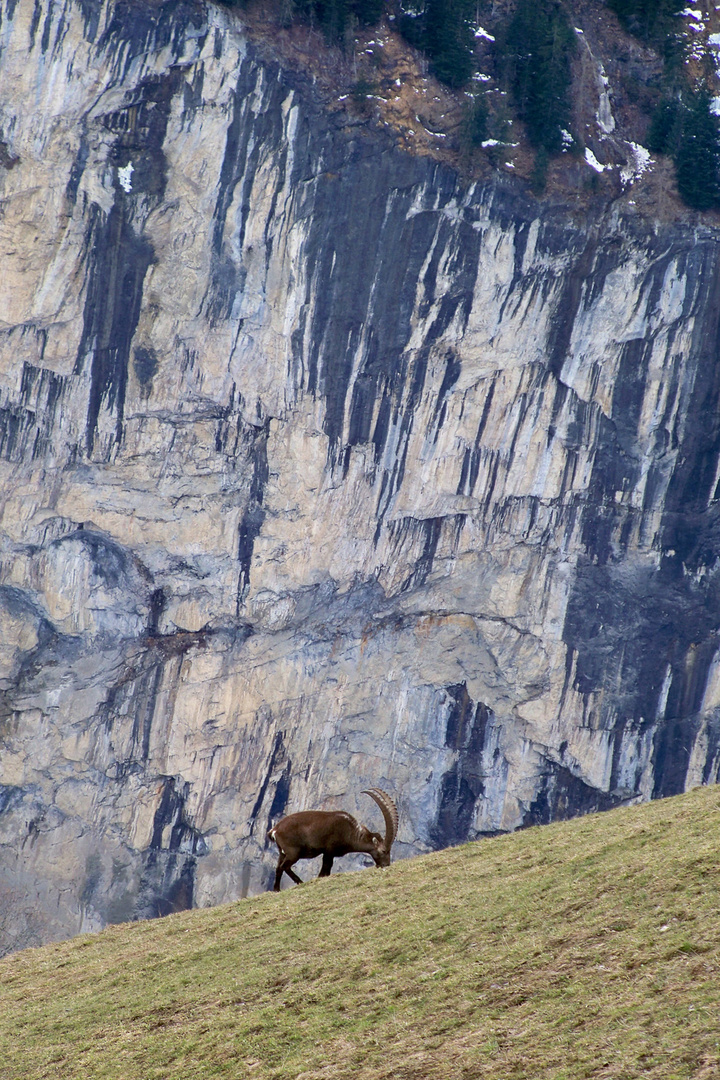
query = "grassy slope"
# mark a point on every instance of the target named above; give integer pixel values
(585, 949)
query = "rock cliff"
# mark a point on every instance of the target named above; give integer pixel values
(321, 469)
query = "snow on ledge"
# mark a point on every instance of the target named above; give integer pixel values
(641, 162)
(593, 161)
(124, 176)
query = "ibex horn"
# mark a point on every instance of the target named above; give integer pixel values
(389, 812)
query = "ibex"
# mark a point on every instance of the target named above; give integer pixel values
(331, 833)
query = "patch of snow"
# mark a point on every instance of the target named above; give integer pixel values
(124, 176)
(641, 162)
(593, 161)
(714, 40)
(479, 77)
(715, 106)
(435, 134)
(567, 139)
(490, 142)
(480, 33)
(692, 13)
(578, 30)
(697, 28)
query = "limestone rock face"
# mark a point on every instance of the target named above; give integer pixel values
(322, 469)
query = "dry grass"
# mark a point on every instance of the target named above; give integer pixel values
(402, 96)
(584, 949)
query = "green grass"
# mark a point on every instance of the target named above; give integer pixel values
(589, 948)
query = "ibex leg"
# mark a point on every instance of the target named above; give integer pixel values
(283, 867)
(326, 866)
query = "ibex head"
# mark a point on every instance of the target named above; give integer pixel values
(381, 845)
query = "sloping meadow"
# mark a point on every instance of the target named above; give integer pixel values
(589, 948)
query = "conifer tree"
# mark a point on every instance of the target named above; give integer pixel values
(538, 48)
(475, 123)
(664, 132)
(449, 39)
(332, 16)
(335, 16)
(697, 158)
(443, 30)
(650, 20)
(368, 12)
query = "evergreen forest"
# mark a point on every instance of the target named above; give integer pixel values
(534, 45)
